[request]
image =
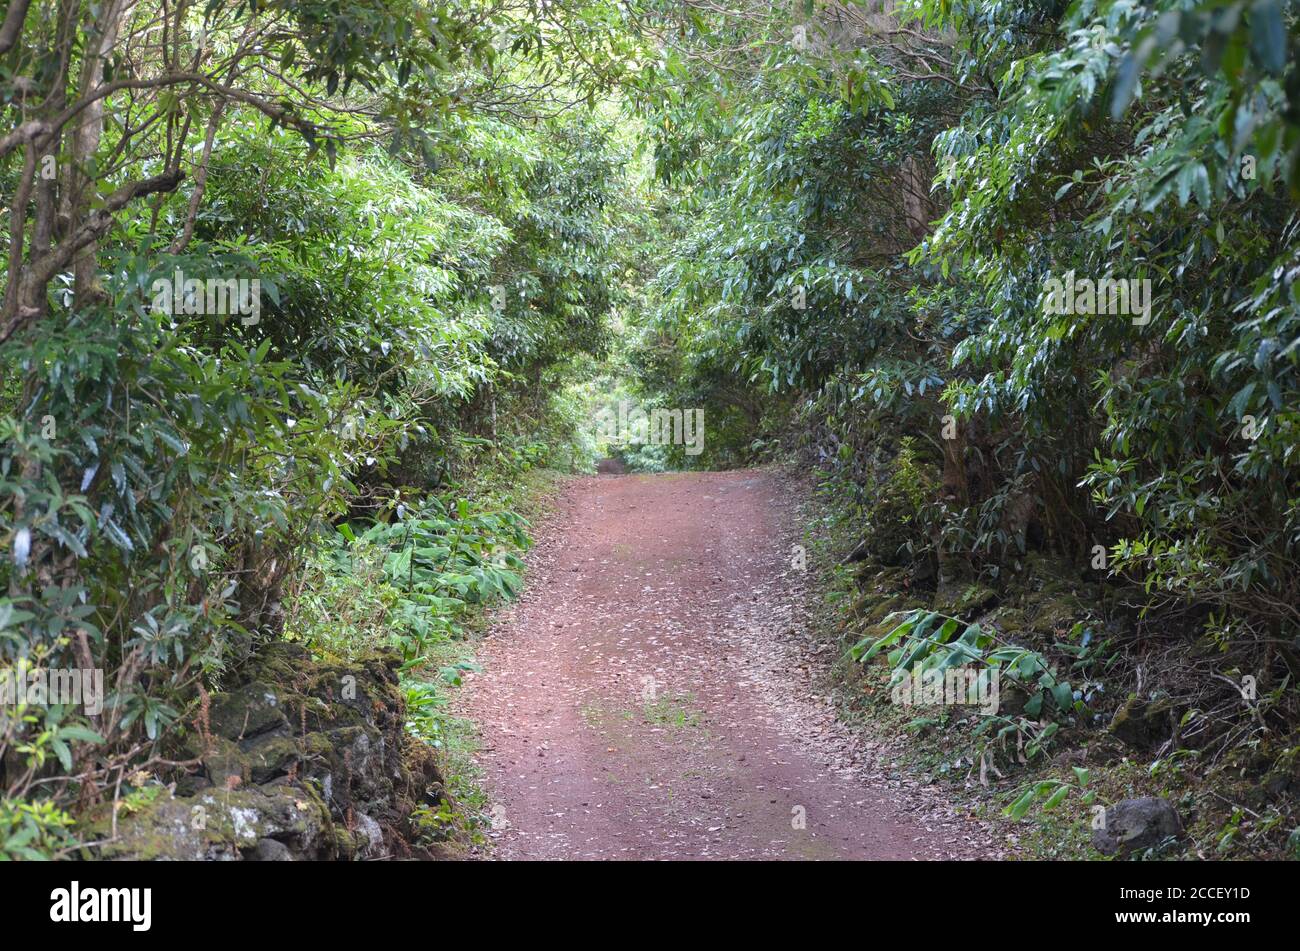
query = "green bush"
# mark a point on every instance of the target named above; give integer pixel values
(895, 528)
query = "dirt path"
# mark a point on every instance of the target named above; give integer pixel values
(652, 695)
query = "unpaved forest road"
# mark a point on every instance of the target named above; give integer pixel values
(652, 695)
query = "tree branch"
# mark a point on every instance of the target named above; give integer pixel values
(27, 132)
(39, 273)
(200, 180)
(13, 25)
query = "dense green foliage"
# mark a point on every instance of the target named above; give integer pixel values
(434, 246)
(876, 213)
(834, 229)
(871, 240)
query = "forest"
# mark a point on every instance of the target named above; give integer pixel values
(380, 377)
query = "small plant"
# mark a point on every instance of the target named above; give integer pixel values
(675, 712)
(894, 522)
(929, 645)
(35, 830)
(928, 640)
(437, 825)
(413, 584)
(1052, 792)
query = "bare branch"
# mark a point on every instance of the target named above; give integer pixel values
(200, 180)
(13, 25)
(39, 273)
(27, 132)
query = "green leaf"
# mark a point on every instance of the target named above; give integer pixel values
(1056, 798)
(113, 532)
(1063, 695)
(1268, 35)
(1018, 808)
(863, 653)
(62, 752)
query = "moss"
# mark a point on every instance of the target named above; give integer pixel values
(864, 603)
(1143, 724)
(964, 600)
(249, 710)
(1042, 612)
(287, 762)
(216, 824)
(271, 756)
(1008, 619)
(225, 764)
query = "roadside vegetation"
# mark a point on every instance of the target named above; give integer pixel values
(300, 298)
(1093, 496)
(189, 474)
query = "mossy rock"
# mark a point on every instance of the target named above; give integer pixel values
(1038, 618)
(255, 760)
(1134, 824)
(1144, 724)
(302, 760)
(1053, 616)
(225, 764)
(964, 600)
(220, 824)
(1007, 618)
(1047, 599)
(889, 612)
(250, 710)
(889, 581)
(864, 603)
(271, 756)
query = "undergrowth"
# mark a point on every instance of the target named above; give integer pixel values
(420, 579)
(1042, 763)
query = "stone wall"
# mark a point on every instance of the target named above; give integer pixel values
(296, 760)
